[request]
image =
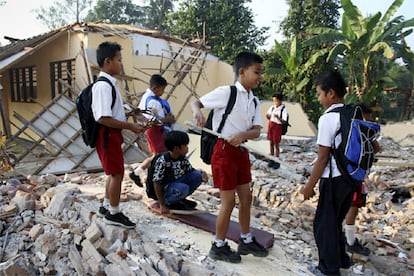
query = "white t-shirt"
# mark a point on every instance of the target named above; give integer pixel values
(102, 99)
(328, 126)
(277, 110)
(152, 104)
(244, 114)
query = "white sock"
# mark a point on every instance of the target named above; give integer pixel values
(350, 230)
(138, 171)
(247, 238)
(218, 242)
(114, 210)
(106, 202)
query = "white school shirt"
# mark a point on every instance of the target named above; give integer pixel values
(273, 110)
(152, 104)
(244, 114)
(102, 99)
(328, 126)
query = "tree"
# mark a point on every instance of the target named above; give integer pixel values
(301, 63)
(227, 26)
(360, 41)
(116, 12)
(63, 12)
(156, 14)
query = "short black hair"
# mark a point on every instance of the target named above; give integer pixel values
(157, 81)
(105, 50)
(278, 96)
(246, 59)
(332, 79)
(176, 138)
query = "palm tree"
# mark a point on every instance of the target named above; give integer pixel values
(360, 41)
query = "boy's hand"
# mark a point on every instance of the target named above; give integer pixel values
(170, 118)
(200, 120)
(136, 128)
(164, 209)
(307, 192)
(204, 176)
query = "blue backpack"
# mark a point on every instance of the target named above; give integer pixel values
(165, 106)
(355, 154)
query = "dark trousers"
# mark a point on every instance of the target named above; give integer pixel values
(334, 201)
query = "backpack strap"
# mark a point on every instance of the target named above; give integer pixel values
(102, 78)
(106, 134)
(229, 107)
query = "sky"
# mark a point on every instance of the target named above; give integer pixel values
(18, 20)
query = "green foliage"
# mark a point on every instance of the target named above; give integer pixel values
(227, 26)
(156, 14)
(63, 12)
(116, 12)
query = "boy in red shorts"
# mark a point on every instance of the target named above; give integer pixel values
(156, 134)
(276, 114)
(112, 121)
(230, 164)
(359, 200)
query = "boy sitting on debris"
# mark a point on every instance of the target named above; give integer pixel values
(174, 178)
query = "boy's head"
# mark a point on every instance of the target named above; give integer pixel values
(331, 88)
(109, 57)
(277, 99)
(248, 68)
(157, 84)
(332, 79)
(177, 139)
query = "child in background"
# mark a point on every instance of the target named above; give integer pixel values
(155, 134)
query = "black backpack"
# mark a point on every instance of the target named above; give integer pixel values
(168, 177)
(90, 128)
(207, 140)
(285, 124)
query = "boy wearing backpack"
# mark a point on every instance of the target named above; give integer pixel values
(277, 114)
(335, 193)
(230, 164)
(155, 134)
(109, 140)
(172, 176)
(359, 200)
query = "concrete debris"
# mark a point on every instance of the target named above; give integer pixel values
(49, 224)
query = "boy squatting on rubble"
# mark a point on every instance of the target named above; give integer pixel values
(230, 163)
(177, 180)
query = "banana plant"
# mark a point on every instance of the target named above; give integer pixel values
(360, 40)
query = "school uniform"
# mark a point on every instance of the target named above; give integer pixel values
(274, 132)
(155, 134)
(231, 165)
(334, 201)
(109, 149)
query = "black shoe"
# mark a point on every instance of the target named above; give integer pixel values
(273, 164)
(253, 247)
(358, 248)
(224, 253)
(102, 211)
(136, 179)
(189, 203)
(179, 206)
(119, 219)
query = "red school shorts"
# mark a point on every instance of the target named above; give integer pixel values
(274, 132)
(230, 166)
(360, 196)
(155, 139)
(111, 155)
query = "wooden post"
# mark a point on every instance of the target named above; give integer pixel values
(4, 116)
